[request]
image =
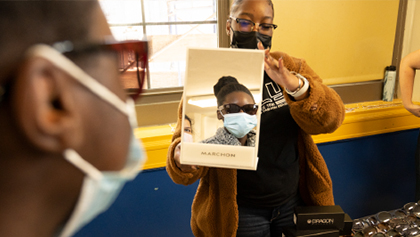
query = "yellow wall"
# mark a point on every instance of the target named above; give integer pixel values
(343, 40)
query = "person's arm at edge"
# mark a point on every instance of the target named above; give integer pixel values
(175, 173)
(407, 72)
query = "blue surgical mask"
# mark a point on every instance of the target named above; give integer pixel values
(239, 124)
(99, 188)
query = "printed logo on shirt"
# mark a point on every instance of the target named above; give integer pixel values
(275, 97)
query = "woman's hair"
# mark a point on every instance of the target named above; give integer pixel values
(189, 120)
(237, 3)
(227, 85)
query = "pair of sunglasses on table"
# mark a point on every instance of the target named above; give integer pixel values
(250, 109)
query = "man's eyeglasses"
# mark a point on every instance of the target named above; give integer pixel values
(250, 109)
(248, 26)
(132, 60)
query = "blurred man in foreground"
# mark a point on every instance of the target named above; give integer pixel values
(66, 141)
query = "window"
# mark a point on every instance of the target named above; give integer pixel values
(171, 27)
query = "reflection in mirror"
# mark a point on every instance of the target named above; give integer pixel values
(223, 104)
(235, 115)
(188, 137)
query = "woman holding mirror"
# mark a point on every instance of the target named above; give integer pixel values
(291, 170)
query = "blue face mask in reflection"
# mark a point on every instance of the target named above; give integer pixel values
(239, 124)
(99, 188)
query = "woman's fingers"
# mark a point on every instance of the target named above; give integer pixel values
(275, 68)
(260, 46)
(177, 154)
(266, 51)
(177, 159)
(281, 64)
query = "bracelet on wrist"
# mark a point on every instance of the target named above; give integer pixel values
(302, 88)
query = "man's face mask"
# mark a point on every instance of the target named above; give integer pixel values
(99, 188)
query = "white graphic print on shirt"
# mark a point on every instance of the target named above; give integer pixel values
(274, 97)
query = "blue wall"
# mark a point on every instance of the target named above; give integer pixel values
(374, 173)
(151, 205)
(369, 174)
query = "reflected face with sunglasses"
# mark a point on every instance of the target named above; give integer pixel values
(237, 102)
(238, 112)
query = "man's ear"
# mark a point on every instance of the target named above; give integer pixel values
(219, 115)
(44, 107)
(228, 27)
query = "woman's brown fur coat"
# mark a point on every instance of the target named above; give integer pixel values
(214, 209)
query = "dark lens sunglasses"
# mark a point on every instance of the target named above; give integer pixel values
(250, 109)
(132, 60)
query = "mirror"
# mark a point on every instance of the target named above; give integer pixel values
(204, 68)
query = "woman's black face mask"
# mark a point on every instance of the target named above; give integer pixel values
(249, 40)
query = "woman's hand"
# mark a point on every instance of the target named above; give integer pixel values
(278, 72)
(183, 168)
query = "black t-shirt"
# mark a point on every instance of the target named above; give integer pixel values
(276, 179)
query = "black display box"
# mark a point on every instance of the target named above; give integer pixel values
(319, 217)
(348, 225)
(291, 231)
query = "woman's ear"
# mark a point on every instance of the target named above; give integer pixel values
(44, 106)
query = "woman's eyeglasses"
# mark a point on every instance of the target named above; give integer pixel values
(132, 59)
(248, 26)
(250, 109)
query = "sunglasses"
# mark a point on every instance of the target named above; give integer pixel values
(132, 59)
(250, 109)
